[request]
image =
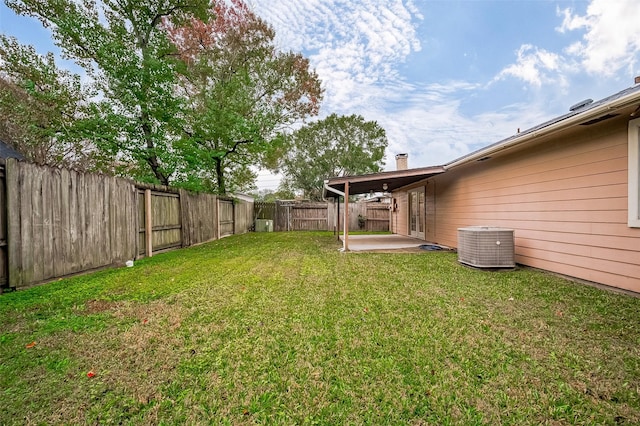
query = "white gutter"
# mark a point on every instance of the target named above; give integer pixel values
(335, 191)
(621, 102)
(328, 188)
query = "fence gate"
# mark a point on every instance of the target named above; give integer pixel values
(165, 219)
(295, 216)
(3, 230)
(226, 216)
(377, 217)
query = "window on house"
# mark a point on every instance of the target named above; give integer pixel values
(634, 173)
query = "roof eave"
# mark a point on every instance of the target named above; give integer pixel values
(382, 175)
(419, 174)
(574, 120)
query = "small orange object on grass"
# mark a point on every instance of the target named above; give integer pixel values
(91, 374)
(30, 345)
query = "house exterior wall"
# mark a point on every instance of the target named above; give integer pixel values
(400, 215)
(566, 198)
(430, 214)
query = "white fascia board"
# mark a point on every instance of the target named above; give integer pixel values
(555, 127)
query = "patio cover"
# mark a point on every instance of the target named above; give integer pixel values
(374, 182)
(377, 182)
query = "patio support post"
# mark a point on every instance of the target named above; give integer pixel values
(337, 227)
(339, 193)
(346, 216)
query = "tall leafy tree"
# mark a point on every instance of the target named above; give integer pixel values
(121, 44)
(334, 146)
(43, 109)
(242, 93)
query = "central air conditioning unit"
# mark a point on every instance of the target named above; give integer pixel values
(264, 225)
(486, 247)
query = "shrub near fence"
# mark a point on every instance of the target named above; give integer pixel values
(60, 222)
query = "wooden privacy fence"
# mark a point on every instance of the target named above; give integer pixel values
(4, 276)
(322, 216)
(292, 216)
(166, 222)
(56, 222)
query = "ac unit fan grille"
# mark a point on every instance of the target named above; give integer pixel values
(486, 247)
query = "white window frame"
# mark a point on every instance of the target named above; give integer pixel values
(634, 173)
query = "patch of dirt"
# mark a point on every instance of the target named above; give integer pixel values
(98, 306)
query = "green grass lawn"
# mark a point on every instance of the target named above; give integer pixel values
(283, 329)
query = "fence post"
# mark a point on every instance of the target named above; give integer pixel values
(185, 230)
(14, 237)
(328, 218)
(234, 215)
(218, 217)
(148, 225)
(4, 275)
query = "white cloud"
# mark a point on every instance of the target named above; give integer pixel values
(350, 44)
(612, 35)
(357, 47)
(610, 43)
(536, 66)
(431, 127)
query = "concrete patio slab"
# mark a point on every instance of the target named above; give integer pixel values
(382, 242)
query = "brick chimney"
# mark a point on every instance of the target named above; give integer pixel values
(401, 161)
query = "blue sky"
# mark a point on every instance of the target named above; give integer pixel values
(446, 77)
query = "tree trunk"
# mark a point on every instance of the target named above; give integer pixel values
(222, 190)
(151, 157)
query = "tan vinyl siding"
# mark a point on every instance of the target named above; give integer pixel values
(566, 199)
(430, 216)
(400, 216)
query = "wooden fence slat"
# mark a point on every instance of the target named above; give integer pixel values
(129, 199)
(117, 240)
(52, 210)
(148, 224)
(73, 263)
(14, 241)
(84, 201)
(64, 228)
(186, 219)
(105, 236)
(3, 231)
(35, 254)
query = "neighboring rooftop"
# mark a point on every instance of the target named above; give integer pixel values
(6, 151)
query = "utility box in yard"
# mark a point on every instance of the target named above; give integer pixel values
(264, 225)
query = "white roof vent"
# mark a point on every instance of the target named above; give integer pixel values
(580, 104)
